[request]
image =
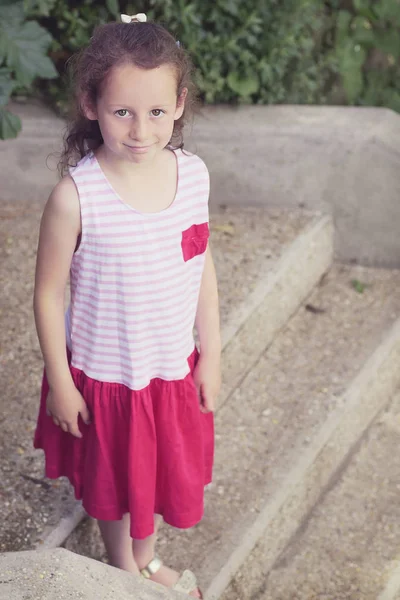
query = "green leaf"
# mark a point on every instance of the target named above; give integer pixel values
(353, 84)
(6, 86)
(11, 13)
(243, 87)
(343, 24)
(363, 32)
(113, 7)
(388, 10)
(358, 286)
(388, 42)
(39, 8)
(351, 60)
(377, 80)
(364, 8)
(10, 125)
(24, 49)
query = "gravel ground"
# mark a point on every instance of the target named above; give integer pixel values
(247, 242)
(348, 547)
(276, 415)
(30, 505)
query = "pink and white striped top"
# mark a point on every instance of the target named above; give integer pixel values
(135, 278)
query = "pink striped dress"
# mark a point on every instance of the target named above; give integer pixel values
(135, 282)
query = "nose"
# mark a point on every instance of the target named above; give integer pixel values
(139, 130)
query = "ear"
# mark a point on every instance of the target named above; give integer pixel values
(88, 109)
(180, 104)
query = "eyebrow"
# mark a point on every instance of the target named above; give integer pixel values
(130, 108)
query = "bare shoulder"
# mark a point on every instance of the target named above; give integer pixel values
(64, 196)
(63, 203)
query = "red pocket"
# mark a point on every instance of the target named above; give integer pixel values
(194, 240)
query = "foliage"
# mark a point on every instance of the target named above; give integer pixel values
(71, 24)
(23, 47)
(258, 51)
(255, 51)
(261, 51)
(367, 50)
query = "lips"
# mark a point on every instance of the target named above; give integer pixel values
(137, 150)
(138, 147)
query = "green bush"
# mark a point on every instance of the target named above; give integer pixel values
(23, 48)
(251, 52)
(367, 51)
(70, 24)
(254, 51)
(257, 51)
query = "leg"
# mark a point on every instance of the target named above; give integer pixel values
(118, 543)
(143, 553)
(143, 550)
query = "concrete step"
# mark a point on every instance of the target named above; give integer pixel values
(287, 428)
(267, 262)
(347, 547)
(289, 425)
(57, 574)
(265, 269)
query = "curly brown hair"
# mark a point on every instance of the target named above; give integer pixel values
(145, 45)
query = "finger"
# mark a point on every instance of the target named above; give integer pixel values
(74, 430)
(199, 397)
(206, 402)
(56, 421)
(85, 414)
(64, 426)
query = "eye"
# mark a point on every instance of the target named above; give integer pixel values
(122, 112)
(158, 111)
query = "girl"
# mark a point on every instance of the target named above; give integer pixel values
(127, 400)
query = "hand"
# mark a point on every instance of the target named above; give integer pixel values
(65, 406)
(207, 379)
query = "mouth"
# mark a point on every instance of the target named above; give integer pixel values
(137, 148)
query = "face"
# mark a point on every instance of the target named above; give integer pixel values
(136, 111)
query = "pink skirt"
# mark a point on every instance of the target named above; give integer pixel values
(144, 452)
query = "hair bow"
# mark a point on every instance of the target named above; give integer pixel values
(140, 17)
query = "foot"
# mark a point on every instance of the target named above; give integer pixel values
(169, 578)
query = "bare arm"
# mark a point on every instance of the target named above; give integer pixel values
(59, 232)
(207, 316)
(60, 227)
(207, 375)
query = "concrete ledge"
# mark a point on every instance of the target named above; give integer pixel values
(339, 160)
(253, 326)
(342, 161)
(57, 536)
(60, 574)
(316, 469)
(347, 547)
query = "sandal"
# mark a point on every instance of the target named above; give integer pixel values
(186, 583)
